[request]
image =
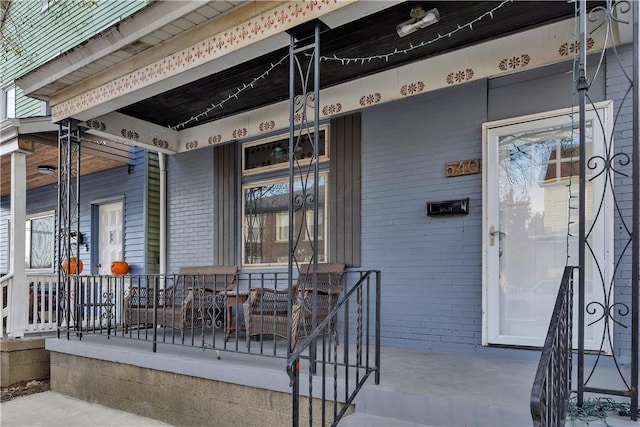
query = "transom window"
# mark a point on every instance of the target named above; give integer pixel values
(273, 153)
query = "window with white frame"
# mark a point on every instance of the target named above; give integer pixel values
(282, 226)
(266, 196)
(39, 241)
(8, 102)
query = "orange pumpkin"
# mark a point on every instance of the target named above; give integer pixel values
(72, 267)
(119, 267)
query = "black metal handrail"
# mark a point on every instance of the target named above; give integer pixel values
(355, 366)
(552, 385)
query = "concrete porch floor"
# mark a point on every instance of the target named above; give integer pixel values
(417, 387)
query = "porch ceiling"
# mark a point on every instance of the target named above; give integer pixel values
(45, 152)
(371, 35)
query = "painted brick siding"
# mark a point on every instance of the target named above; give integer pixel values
(190, 211)
(432, 266)
(617, 86)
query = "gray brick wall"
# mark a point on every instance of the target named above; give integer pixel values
(190, 210)
(617, 86)
(432, 266)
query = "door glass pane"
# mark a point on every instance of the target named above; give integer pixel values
(538, 173)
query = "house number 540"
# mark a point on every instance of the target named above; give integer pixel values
(462, 167)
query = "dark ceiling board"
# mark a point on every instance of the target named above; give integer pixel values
(371, 35)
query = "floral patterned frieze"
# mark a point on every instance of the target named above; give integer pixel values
(255, 29)
(191, 145)
(129, 134)
(267, 126)
(215, 139)
(161, 143)
(371, 99)
(97, 125)
(570, 48)
(460, 76)
(412, 88)
(240, 133)
(514, 62)
(328, 110)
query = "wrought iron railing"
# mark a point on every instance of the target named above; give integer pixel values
(193, 310)
(552, 385)
(327, 396)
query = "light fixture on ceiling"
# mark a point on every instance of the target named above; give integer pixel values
(419, 19)
(46, 169)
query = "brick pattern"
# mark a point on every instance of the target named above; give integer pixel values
(432, 266)
(190, 211)
(616, 88)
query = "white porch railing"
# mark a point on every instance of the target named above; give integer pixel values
(42, 291)
(40, 298)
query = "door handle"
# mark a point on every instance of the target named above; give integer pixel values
(493, 233)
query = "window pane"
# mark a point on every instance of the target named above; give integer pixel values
(8, 102)
(277, 152)
(270, 202)
(41, 244)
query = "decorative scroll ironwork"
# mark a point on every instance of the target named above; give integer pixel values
(552, 385)
(304, 176)
(619, 166)
(69, 135)
(303, 151)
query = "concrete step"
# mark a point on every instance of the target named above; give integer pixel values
(440, 410)
(359, 419)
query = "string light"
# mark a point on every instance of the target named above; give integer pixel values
(385, 56)
(234, 95)
(343, 60)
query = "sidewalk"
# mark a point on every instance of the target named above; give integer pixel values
(55, 409)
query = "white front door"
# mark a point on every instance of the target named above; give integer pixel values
(531, 224)
(110, 236)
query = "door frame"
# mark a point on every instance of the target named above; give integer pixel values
(605, 109)
(95, 228)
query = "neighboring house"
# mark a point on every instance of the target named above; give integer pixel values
(120, 179)
(448, 157)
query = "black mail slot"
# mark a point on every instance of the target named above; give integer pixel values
(448, 207)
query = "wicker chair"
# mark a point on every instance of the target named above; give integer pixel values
(191, 302)
(265, 312)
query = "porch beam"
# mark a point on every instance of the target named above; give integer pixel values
(18, 296)
(123, 129)
(541, 46)
(231, 40)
